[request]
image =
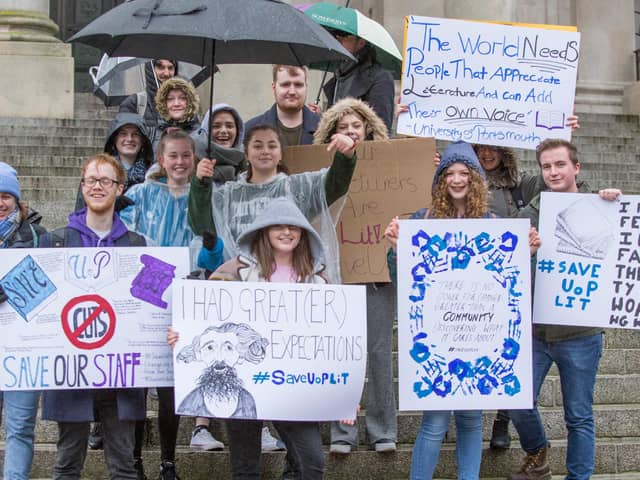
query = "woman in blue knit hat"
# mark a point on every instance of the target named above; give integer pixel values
(18, 229)
(459, 191)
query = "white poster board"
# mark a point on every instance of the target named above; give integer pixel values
(487, 83)
(464, 315)
(588, 267)
(87, 317)
(277, 351)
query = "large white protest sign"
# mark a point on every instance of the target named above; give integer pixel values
(464, 314)
(588, 268)
(87, 317)
(488, 83)
(279, 351)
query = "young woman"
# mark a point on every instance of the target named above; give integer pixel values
(279, 246)
(357, 120)
(229, 209)
(159, 214)
(459, 191)
(18, 229)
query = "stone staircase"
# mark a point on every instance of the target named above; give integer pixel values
(47, 155)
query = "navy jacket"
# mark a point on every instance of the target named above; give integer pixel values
(270, 117)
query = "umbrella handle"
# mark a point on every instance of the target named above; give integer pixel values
(213, 69)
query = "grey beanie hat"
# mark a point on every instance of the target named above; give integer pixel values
(282, 211)
(458, 152)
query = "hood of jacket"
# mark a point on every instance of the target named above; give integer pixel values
(78, 221)
(282, 211)
(177, 83)
(122, 119)
(375, 127)
(224, 107)
(506, 175)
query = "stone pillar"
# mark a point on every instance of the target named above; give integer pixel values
(496, 10)
(37, 68)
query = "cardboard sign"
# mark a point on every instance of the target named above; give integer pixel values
(588, 267)
(487, 83)
(87, 317)
(464, 314)
(279, 351)
(391, 178)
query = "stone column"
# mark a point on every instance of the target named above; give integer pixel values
(37, 68)
(496, 10)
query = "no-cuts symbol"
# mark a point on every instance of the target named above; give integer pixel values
(88, 321)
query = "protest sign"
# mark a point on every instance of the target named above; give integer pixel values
(391, 178)
(487, 83)
(279, 351)
(464, 314)
(87, 317)
(588, 267)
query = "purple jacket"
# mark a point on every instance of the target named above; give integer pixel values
(77, 405)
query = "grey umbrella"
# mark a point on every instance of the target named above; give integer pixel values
(210, 32)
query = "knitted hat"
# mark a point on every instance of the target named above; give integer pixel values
(9, 180)
(461, 152)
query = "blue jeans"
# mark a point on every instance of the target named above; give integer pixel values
(577, 362)
(468, 444)
(21, 409)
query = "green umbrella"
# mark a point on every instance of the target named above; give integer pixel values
(354, 22)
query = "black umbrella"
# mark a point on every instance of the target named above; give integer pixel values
(210, 32)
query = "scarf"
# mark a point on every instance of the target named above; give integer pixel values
(8, 226)
(136, 173)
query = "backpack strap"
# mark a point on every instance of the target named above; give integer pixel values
(34, 236)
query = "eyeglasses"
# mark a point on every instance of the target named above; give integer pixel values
(104, 182)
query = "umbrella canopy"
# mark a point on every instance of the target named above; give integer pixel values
(206, 32)
(115, 78)
(354, 22)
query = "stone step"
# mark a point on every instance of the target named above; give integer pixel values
(25, 172)
(612, 421)
(55, 141)
(612, 457)
(54, 122)
(35, 183)
(44, 161)
(86, 130)
(8, 149)
(50, 194)
(55, 214)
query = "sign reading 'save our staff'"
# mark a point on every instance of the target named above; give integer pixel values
(496, 84)
(464, 314)
(280, 351)
(87, 317)
(588, 267)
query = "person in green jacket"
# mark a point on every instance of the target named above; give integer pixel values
(228, 209)
(575, 350)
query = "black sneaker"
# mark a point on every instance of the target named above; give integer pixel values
(168, 471)
(95, 436)
(137, 464)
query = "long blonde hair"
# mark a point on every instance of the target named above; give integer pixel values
(302, 258)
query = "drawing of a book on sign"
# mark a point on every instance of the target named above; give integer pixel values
(28, 288)
(592, 239)
(550, 120)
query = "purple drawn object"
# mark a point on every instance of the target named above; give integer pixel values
(152, 281)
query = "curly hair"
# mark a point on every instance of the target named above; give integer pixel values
(476, 205)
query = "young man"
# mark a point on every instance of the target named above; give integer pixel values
(575, 350)
(295, 122)
(144, 103)
(97, 224)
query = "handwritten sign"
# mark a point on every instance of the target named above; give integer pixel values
(464, 318)
(487, 83)
(87, 317)
(588, 272)
(269, 350)
(391, 178)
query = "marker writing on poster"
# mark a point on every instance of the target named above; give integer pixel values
(625, 304)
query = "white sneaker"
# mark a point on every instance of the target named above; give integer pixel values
(270, 443)
(201, 439)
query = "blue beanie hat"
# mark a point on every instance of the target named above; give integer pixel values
(9, 180)
(458, 152)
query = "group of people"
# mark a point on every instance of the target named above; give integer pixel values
(155, 185)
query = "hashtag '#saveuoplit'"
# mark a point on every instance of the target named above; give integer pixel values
(261, 377)
(546, 266)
